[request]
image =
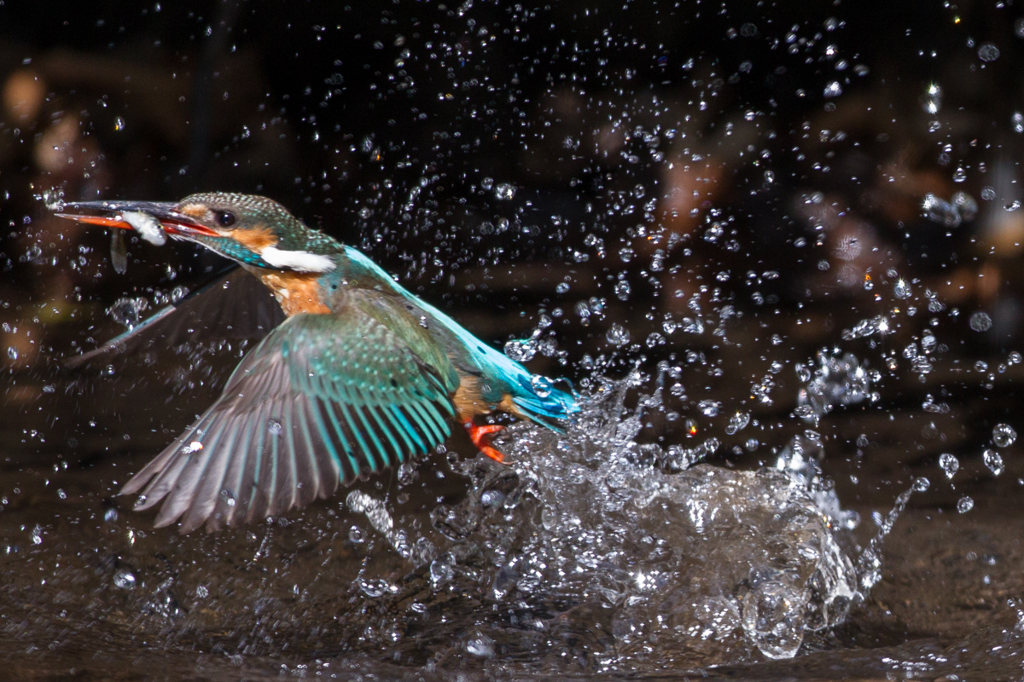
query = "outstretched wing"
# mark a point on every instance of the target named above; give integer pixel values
(322, 400)
(235, 305)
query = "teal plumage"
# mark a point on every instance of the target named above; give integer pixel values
(361, 376)
(473, 355)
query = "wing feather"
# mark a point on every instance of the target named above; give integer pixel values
(367, 428)
(407, 448)
(235, 305)
(206, 490)
(309, 456)
(321, 401)
(228, 499)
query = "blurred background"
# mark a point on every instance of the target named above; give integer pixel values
(722, 195)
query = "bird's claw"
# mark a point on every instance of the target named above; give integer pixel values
(480, 435)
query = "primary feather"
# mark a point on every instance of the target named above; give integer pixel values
(319, 402)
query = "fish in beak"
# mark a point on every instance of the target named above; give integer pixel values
(152, 220)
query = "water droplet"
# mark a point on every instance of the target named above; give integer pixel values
(901, 289)
(994, 461)
(617, 335)
(128, 311)
(407, 474)
(356, 535)
(504, 191)
(12, 352)
(980, 321)
(442, 570)
(931, 101)
(1003, 435)
(709, 408)
(939, 211)
(737, 422)
(988, 52)
(964, 504)
(492, 498)
(124, 579)
(373, 587)
(965, 205)
(833, 89)
(773, 618)
(949, 464)
(562, 288)
(803, 372)
(480, 646)
(119, 124)
(713, 233)
(541, 385)
(521, 350)
(274, 427)
(622, 290)
(1018, 122)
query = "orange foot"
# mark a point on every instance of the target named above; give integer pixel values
(480, 435)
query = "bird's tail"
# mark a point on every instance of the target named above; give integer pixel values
(534, 396)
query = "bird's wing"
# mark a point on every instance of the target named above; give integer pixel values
(322, 400)
(235, 305)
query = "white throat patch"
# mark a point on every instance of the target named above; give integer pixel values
(302, 261)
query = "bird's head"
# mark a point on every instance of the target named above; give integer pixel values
(252, 230)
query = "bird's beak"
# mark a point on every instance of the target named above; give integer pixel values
(166, 213)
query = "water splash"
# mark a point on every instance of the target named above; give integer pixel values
(638, 551)
(835, 380)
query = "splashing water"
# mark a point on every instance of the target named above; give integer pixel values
(589, 532)
(835, 380)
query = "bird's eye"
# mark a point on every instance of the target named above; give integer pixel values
(225, 218)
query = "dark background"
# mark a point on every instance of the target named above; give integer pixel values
(733, 184)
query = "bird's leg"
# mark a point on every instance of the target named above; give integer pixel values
(480, 435)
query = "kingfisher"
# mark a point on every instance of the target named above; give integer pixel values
(360, 374)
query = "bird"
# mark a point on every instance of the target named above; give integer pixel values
(358, 374)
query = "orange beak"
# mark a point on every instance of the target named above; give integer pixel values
(96, 220)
